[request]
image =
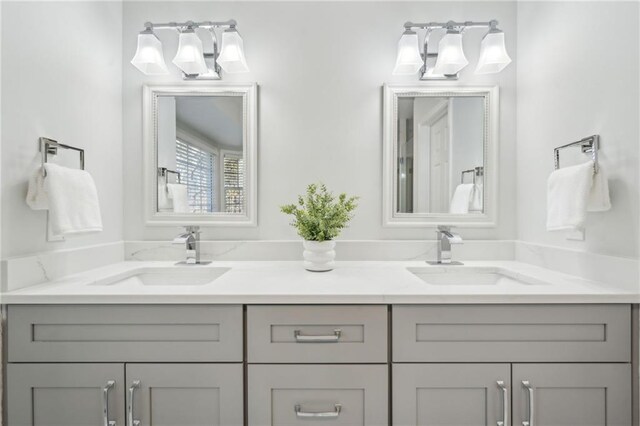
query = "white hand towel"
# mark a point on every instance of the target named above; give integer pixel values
(599, 200)
(73, 201)
(178, 194)
(165, 204)
(36, 197)
(461, 199)
(476, 203)
(571, 192)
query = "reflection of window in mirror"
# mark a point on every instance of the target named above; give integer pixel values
(197, 168)
(233, 182)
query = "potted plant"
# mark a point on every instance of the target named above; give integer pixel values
(319, 217)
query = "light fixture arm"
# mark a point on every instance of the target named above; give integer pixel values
(426, 54)
(215, 53)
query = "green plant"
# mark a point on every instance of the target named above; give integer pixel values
(318, 215)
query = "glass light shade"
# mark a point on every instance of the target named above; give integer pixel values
(451, 57)
(149, 58)
(408, 60)
(493, 54)
(231, 57)
(190, 56)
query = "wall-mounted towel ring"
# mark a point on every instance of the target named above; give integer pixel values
(164, 172)
(50, 147)
(477, 171)
(589, 144)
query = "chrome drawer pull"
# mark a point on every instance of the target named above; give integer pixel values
(529, 422)
(325, 415)
(505, 405)
(132, 390)
(105, 404)
(300, 338)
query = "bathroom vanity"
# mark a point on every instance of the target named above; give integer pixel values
(396, 347)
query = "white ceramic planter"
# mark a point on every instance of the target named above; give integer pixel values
(319, 256)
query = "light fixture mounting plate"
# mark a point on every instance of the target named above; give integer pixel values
(212, 66)
(425, 77)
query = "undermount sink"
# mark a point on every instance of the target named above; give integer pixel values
(172, 276)
(469, 276)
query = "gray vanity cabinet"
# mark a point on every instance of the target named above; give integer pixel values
(187, 361)
(185, 394)
(344, 365)
(451, 394)
(65, 394)
(572, 394)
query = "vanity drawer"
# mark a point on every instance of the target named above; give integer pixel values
(513, 333)
(316, 334)
(341, 395)
(110, 333)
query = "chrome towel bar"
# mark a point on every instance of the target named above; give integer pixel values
(589, 144)
(50, 147)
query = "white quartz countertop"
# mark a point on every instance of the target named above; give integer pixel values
(380, 282)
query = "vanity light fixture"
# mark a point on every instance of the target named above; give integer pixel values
(449, 58)
(191, 59)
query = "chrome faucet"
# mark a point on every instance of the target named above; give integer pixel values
(192, 240)
(445, 239)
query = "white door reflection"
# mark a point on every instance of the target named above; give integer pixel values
(440, 140)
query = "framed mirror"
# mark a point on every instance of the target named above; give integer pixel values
(200, 154)
(440, 154)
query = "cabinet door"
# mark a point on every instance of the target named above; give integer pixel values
(65, 394)
(572, 394)
(185, 394)
(336, 395)
(451, 394)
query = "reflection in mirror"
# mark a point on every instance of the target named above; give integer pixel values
(440, 154)
(200, 158)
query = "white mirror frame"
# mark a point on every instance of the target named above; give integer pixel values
(390, 216)
(249, 93)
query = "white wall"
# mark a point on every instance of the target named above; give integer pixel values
(61, 78)
(578, 75)
(167, 132)
(320, 67)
